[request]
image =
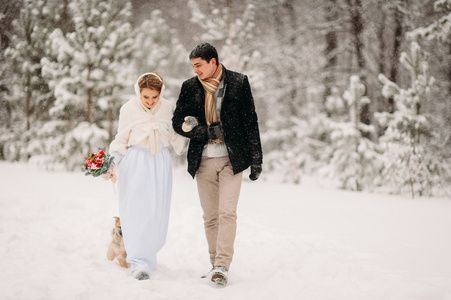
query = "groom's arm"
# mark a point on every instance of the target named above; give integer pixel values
(186, 106)
(181, 108)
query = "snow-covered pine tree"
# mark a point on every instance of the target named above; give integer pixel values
(438, 33)
(296, 150)
(294, 131)
(87, 70)
(24, 57)
(409, 137)
(91, 59)
(353, 157)
(29, 98)
(231, 36)
(160, 50)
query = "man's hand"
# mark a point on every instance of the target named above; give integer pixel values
(189, 123)
(215, 131)
(200, 133)
(256, 170)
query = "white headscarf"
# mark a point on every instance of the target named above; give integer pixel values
(139, 125)
(138, 93)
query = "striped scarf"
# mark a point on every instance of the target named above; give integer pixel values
(210, 86)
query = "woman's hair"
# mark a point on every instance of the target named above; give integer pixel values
(151, 81)
(204, 51)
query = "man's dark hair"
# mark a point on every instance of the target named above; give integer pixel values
(204, 51)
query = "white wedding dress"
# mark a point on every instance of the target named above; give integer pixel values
(144, 188)
(143, 164)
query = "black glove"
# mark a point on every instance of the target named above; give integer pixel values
(256, 170)
(215, 131)
(200, 133)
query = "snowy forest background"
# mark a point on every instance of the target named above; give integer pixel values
(357, 92)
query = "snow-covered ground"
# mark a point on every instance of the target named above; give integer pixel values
(293, 242)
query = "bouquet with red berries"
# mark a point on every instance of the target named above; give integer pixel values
(98, 164)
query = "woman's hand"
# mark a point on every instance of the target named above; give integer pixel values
(110, 174)
(113, 177)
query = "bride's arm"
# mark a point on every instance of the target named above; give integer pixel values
(178, 142)
(119, 145)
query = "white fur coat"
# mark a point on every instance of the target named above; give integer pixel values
(139, 125)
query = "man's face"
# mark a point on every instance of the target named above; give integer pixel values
(204, 69)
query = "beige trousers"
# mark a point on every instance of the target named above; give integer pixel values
(219, 191)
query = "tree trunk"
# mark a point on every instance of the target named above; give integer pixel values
(278, 27)
(355, 8)
(283, 34)
(89, 94)
(382, 102)
(66, 22)
(331, 46)
(356, 31)
(28, 102)
(111, 122)
(449, 69)
(396, 54)
(229, 40)
(396, 46)
(289, 6)
(293, 93)
(381, 38)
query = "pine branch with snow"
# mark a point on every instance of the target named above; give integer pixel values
(410, 138)
(354, 159)
(88, 70)
(91, 59)
(159, 49)
(439, 29)
(31, 30)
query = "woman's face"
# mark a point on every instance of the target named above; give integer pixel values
(149, 97)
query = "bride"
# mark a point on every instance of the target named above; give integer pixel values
(144, 172)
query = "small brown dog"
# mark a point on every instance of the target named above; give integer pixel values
(116, 248)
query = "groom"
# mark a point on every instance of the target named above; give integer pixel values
(225, 142)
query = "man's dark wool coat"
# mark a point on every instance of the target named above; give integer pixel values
(238, 120)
